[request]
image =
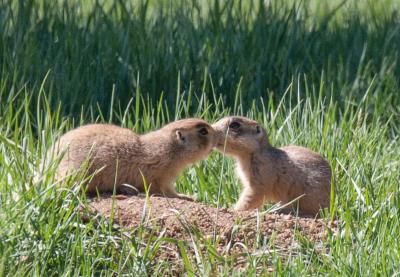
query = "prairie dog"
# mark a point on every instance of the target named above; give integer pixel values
(122, 157)
(273, 174)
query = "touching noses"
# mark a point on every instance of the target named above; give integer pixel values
(219, 134)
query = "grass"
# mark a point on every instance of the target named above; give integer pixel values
(318, 75)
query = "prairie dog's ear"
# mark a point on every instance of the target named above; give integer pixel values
(180, 136)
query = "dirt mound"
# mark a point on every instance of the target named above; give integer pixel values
(181, 219)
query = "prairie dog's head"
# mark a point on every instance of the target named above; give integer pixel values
(237, 136)
(194, 136)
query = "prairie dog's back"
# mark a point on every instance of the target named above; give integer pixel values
(315, 167)
(98, 132)
(103, 143)
(101, 140)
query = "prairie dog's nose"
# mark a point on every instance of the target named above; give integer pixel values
(220, 132)
(219, 125)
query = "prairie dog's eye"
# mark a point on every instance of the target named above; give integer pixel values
(258, 129)
(203, 131)
(234, 125)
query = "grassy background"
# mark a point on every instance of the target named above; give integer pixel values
(318, 74)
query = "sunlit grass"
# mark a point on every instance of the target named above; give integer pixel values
(41, 231)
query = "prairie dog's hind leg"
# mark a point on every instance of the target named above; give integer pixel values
(249, 200)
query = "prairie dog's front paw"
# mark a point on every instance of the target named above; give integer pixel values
(240, 208)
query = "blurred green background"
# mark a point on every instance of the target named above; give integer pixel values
(90, 48)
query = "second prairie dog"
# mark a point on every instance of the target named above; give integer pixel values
(273, 174)
(120, 156)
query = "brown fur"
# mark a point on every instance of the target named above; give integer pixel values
(271, 174)
(119, 156)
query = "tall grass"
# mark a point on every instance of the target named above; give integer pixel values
(318, 75)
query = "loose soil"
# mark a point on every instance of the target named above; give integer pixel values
(181, 219)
